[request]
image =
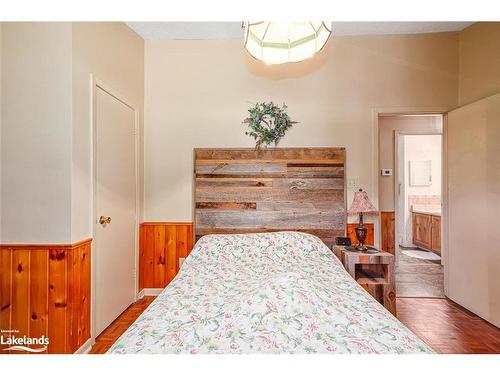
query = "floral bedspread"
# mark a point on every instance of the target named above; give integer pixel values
(265, 293)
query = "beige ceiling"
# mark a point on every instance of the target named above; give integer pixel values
(224, 30)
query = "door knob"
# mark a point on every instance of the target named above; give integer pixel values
(104, 220)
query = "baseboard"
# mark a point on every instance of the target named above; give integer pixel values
(140, 294)
(85, 348)
(149, 292)
(409, 247)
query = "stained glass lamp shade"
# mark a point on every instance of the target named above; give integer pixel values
(282, 42)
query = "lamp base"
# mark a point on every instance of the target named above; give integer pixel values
(361, 236)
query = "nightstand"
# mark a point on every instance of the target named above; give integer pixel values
(374, 272)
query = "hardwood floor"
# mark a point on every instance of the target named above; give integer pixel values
(447, 327)
(104, 341)
(442, 324)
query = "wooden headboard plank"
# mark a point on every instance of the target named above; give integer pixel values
(334, 154)
(245, 190)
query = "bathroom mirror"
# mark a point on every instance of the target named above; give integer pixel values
(420, 172)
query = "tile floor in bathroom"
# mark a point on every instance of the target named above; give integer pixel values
(419, 277)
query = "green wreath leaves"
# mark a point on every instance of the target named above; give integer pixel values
(268, 123)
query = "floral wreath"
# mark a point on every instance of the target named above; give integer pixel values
(268, 123)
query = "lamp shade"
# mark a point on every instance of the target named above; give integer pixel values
(281, 42)
(362, 204)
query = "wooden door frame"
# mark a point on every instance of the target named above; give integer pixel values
(96, 84)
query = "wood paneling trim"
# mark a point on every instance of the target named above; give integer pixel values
(5, 292)
(387, 227)
(161, 244)
(170, 223)
(45, 291)
(27, 246)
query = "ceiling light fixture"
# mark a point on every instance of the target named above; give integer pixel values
(282, 42)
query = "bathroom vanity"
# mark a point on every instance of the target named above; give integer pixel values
(426, 224)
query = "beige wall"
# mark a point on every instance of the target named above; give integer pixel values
(115, 55)
(479, 61)
(198, 92)
(388, 125)
(36, 132)
(46, 128)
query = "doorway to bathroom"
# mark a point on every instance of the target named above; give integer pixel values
(419, 270)
(411, 185)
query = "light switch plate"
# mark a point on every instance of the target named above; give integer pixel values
(352, 183)
(386, 172)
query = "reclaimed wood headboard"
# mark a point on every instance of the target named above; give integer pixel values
(247, 191)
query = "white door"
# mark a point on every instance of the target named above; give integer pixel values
(473, 187)
(115, 198)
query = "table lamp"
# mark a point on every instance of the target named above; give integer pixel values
(361, 205)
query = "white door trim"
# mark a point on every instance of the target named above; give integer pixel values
(95, 84)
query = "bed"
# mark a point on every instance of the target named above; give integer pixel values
(261, 277)
(280, 292)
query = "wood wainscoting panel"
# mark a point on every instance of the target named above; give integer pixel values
(20, 318)
(269, 190)
(58, 304)
(369, 234)
(39, 301)
(79, 292)
(5, 292)
(387, 228)
(45, 291)
(161, 244)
